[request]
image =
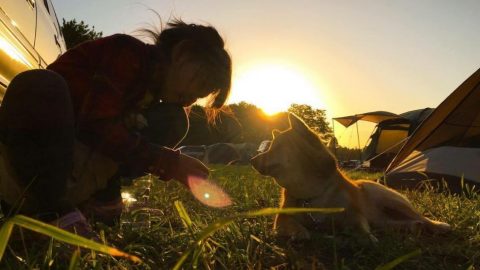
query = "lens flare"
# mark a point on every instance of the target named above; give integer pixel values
(128, 199)
(208, 193)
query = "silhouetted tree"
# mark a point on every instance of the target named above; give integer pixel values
(248, 123)
(249, 117)
(75, 32)
(245, 124)
(256, 125)
(316, 119)
(345, 153)
(226, 129)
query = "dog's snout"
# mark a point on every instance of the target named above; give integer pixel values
(264, 165)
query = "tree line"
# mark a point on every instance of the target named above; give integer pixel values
(244, 122)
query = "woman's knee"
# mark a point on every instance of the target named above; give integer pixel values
(37, 99)
(37, 82)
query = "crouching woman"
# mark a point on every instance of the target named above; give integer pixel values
(105, 109)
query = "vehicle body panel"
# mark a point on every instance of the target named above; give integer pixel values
(49, 43)
(30, 37)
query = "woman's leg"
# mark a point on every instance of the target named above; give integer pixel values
(37, 128)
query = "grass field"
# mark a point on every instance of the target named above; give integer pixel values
(156, 233)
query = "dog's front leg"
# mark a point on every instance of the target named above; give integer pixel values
(365, 227)
(288, 226)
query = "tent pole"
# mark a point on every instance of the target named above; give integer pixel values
(358, 140)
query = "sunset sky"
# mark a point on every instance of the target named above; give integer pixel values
(346, 57)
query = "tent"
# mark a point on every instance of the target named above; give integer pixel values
(221, 153)
(389, 134)
(446, 146)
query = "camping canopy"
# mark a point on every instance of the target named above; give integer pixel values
(446, 145)
(375, 117)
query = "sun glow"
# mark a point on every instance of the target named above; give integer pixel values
(274, 87)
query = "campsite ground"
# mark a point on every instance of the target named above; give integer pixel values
(156, 233)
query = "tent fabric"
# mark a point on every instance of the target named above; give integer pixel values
(446, 160)
(375, 117)
(456, 121)
(389, 138)
(417, 116)
(447, 143)
(221, 153)
(384, 143)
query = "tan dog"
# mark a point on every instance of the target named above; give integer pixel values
(309, 177)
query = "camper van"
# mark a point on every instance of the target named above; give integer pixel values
(30, 37)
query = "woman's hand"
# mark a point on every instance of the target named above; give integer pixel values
(190, 166)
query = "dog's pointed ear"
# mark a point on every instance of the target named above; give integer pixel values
(275, 133)
(297, 124)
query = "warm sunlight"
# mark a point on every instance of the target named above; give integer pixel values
(274, 87)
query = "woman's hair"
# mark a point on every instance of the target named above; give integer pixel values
(204, 45)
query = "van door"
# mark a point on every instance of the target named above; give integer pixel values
(17, 33)
(49, 42)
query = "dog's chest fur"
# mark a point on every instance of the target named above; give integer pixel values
(332, 197)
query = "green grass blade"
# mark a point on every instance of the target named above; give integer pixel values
(182, 259)
(74, 260)
(49, 254)
(274, 211)
(399, 260)
(187, 222)
(5, 233)
(68, 237)
(214, 227)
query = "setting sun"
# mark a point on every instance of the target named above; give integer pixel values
(274, 87)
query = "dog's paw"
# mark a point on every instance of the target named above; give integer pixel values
(288, 227)
(440, 227)
(428, 225)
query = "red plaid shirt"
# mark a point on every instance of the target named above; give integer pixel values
(108, 80)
